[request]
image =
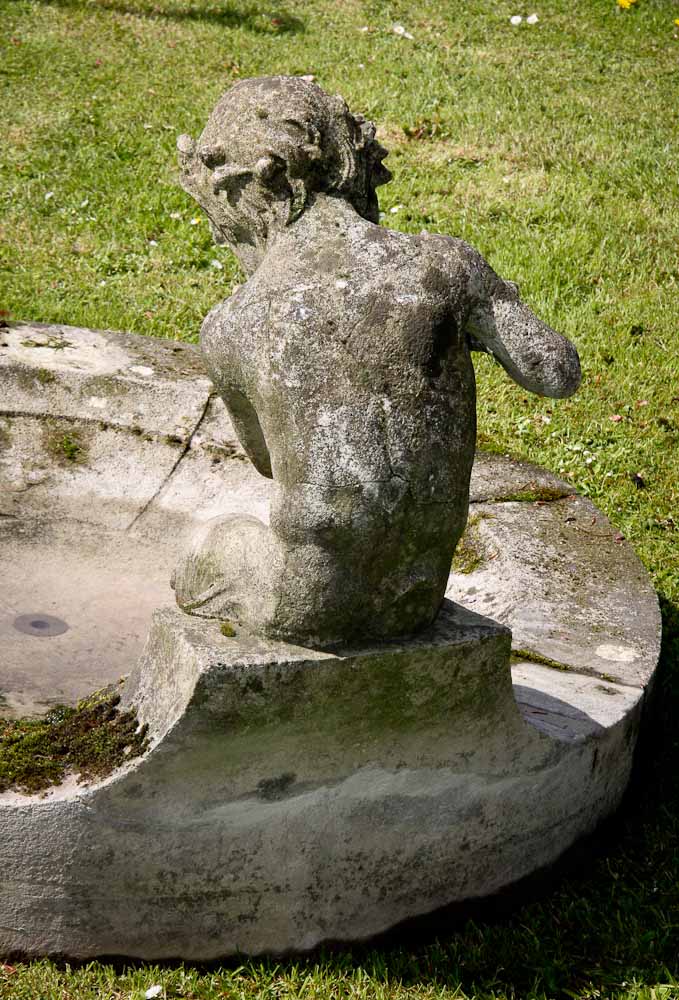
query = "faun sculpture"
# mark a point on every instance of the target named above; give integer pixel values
(344, 361)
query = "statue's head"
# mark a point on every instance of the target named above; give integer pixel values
(269, 146)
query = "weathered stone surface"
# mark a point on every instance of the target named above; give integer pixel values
(100, 376)
(277, 713)
(103, 585)
(572, 707)
(567, 584)
(207, 845)
(91, 422)
(273, 813)
(345, 364)
(499, 477)
(214, 478)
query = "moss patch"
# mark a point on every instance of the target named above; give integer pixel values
(521, 655)
(66, 446)
(90, 740)
(470, 551)
(45, 376)
(227, 629)
(542, 494)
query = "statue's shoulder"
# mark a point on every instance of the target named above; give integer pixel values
(450, 251)
(242, 298)
(236, 325)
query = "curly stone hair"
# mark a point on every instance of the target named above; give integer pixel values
(293, 128)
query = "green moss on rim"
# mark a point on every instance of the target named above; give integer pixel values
(537, 494)
(523, 655)
(90, 740)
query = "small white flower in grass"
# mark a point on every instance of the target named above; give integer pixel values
(365, 28)
(48, 195)
(532, 19)
(153, 991)
(175, 215)
(398, 29)
(153, 243)
(395, 208)
(84, 203)
(102, 283)
(217, 264)
(194, 222)
(515, 19)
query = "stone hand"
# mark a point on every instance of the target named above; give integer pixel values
(499, 323)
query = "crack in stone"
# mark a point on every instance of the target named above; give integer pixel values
(519, 656)
(186, 448)
(98, 422)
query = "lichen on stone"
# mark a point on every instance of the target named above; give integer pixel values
(90, 740)
(45, 376)
(53, 343)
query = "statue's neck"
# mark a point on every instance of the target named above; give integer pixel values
(324, 211)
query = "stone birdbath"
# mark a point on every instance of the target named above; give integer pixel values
(343, 732)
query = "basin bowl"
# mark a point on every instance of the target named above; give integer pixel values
(290, 796)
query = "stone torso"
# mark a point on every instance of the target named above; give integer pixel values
(345, 353)
(349, 344)
(345, 364)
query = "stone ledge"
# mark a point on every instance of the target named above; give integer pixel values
(572, 591)
(271, 814)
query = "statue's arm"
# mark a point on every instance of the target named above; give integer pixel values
(220, 337)
(499, 323)
(248, 429)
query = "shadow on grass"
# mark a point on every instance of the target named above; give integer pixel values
(228, 15)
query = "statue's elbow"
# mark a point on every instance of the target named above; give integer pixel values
(564, 374)
(554, 373)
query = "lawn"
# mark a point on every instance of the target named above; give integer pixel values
(553, 148)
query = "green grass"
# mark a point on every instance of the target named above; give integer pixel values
(553, 149)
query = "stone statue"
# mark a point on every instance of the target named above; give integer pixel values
(344, 361)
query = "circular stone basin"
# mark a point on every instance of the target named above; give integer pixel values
(280, 804)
